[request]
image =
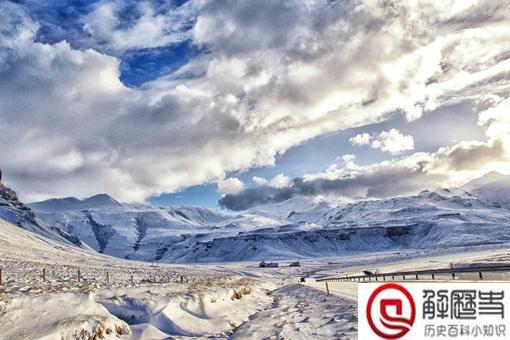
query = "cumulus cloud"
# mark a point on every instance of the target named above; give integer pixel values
(393, 142)
(274, 74)
(230, 186)
(361, 139)
(260, 180)
(280, 181)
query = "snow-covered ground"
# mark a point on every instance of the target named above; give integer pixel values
(301, 312)
(228, 300)
(112, 296)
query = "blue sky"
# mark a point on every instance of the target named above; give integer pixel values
(185, 102)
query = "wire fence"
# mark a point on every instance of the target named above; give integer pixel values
(73, 275)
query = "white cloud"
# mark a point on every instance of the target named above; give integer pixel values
(329, 66)
(151, 28)
(280, 181)
(260, 180)
(361, 139)
(230, 186)
(393, 142)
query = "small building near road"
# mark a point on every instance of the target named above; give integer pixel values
(265, 264)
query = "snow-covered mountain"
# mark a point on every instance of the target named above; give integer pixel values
(298, 228)
(16, 212)
(494, 187)
(138, 231)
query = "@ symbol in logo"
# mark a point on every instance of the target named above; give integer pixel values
(398, 325)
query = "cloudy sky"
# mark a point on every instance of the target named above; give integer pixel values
(247, 102)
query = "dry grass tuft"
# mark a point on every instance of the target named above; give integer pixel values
(238, 295)
(120, 330)
(4, 302)
(100, 332)
(84, 334)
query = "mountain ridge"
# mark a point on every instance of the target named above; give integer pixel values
(302, 227)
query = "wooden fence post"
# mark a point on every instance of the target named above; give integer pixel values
(479, 275)
(182, 279)
(132, 279)
(44, 274)
(107, 277)
(327, 288)
(78, 274)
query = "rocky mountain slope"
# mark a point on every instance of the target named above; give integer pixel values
(16, 212)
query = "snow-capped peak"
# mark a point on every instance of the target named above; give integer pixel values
(73, 203)
(493, 186)
(487, 179)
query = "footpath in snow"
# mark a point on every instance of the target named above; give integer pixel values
(301, 312)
